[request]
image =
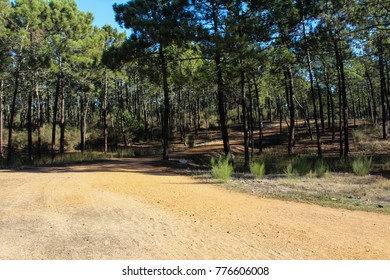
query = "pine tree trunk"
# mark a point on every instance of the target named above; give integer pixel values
(164, 70)
(343, 102)
(62, 123)
(55, 110)
(270, 109)
(220, 88)
(314, 97)
(146, 124)
(1, 118)
(251, 120)
(198, 112)
(291, 99)
(82, 122)
(314, 103)
(29, 120)
(331, 101)
(105, 128)
(381, 65)
(321, 107)
(40, 119)
(12, 115)
(245, 121)
(181, 119)
(371, 87)
(260, 118)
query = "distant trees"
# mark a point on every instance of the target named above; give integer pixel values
(188, 65)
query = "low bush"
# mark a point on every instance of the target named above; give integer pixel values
(289, 171)
(222, 169)
(257, 169)
(298, 166)
(321, 169)
(362, 166)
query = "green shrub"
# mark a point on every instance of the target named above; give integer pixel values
(321, 169)
(299, 166)
(223, 169)
(312, 174)
(257, 169)
(362, 166)
(302, 166)
(289, 171)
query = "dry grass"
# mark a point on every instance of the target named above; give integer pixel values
(342, 190)
(371, 193)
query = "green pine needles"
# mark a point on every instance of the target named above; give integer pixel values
(257, 169)
(301, 166)
(362, 166)
(222, 169)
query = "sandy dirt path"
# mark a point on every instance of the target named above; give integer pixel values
(137, 209)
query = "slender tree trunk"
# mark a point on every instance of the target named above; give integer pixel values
(371, 87)
(1, 118)
(164, 70)
(181, 119)
(220, 88)
(119, 93)
(195, 117)
(328, 112)
(244, 120)
(251, 119)
(31, 92)
(48, 109)
(354, 109)
(260, 118)
(198, 112)
(105, 128)
(381, 65)
(55, 109)
(314, 103)
(281, 113)
(314, 97)
(321, 107)
(62, 123)
(146, 124)
(341, 141)
(343, 101)
(83, 118)
(40, 119)
(270, 109)
(12, 114)
(305, 113)
(331, 101)
(291, 134)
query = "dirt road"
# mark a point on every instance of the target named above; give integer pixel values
(137, 209)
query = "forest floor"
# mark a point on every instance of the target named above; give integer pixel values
(140, 209)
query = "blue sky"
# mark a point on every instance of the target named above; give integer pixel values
(101, 9)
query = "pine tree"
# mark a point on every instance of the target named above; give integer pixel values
(155, 26)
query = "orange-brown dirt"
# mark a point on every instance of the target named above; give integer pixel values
(139, 209)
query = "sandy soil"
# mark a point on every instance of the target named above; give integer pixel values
(138, 209)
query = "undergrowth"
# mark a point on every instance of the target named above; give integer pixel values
(222, 169)
(257, 169)
(361, 166)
